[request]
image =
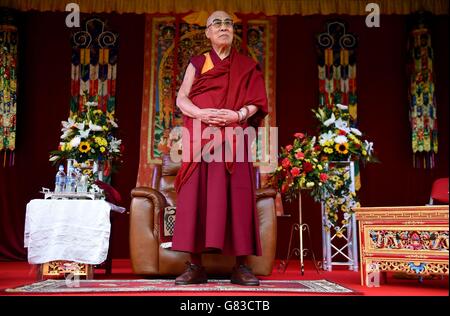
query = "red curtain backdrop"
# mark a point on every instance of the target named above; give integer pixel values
(44, 94)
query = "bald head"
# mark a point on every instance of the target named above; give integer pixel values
(221, 15)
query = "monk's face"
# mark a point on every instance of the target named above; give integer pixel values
(219, 29)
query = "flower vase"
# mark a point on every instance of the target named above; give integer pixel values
(98, 170)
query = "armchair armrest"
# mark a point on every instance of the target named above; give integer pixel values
(265, 204)
(155, 196)
(265, 192)
(146, 204)
(157, 203)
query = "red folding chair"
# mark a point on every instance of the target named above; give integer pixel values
(439, 191)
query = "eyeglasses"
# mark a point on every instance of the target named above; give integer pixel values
(217, 24)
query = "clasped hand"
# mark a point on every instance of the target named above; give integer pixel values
(217, 117)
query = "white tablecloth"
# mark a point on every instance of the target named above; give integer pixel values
(73, 230)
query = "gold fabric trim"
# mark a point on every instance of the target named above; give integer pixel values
(267, 7)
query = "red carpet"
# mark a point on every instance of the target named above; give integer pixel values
(14, 274)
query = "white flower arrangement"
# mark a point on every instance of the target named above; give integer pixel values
(88, 135)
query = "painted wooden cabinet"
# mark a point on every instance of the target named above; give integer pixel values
(410, 239)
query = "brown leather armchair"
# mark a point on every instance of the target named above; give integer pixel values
(147, 257)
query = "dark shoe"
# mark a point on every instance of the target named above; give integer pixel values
(194, 274)
(243, 275)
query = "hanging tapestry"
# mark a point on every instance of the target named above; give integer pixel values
(8, 86)
(422, 101)
(337, 73)
(94, 67)
(170, 42)
(337, 68)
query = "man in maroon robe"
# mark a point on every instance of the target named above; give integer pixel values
(216, 206)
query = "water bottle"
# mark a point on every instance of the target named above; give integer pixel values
(60, 180)
(71, 180)
(82, 185)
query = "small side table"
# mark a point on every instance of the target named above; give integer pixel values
(68, 236)
(62, 267)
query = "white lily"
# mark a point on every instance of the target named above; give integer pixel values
(342, 107)
(114, 144)
(325, 137)
(95, 128)
(91, 103)
(114, 124)
(69, 124)
(343, 125)
(369, 147)
(66, 133)
(67, 127)
(80, 126)
(54, 158)
(340, 139)
(75, 141)
(330, 121)
(356, 131)
(85, 134)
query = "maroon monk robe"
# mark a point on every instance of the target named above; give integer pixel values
(216, 207)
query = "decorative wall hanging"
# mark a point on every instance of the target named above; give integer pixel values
(8, 86)
(94, 66)
(337, 68)
(170, 42)
(422, 100)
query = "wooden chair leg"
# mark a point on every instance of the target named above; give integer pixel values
(385, 278)
(89, 272)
